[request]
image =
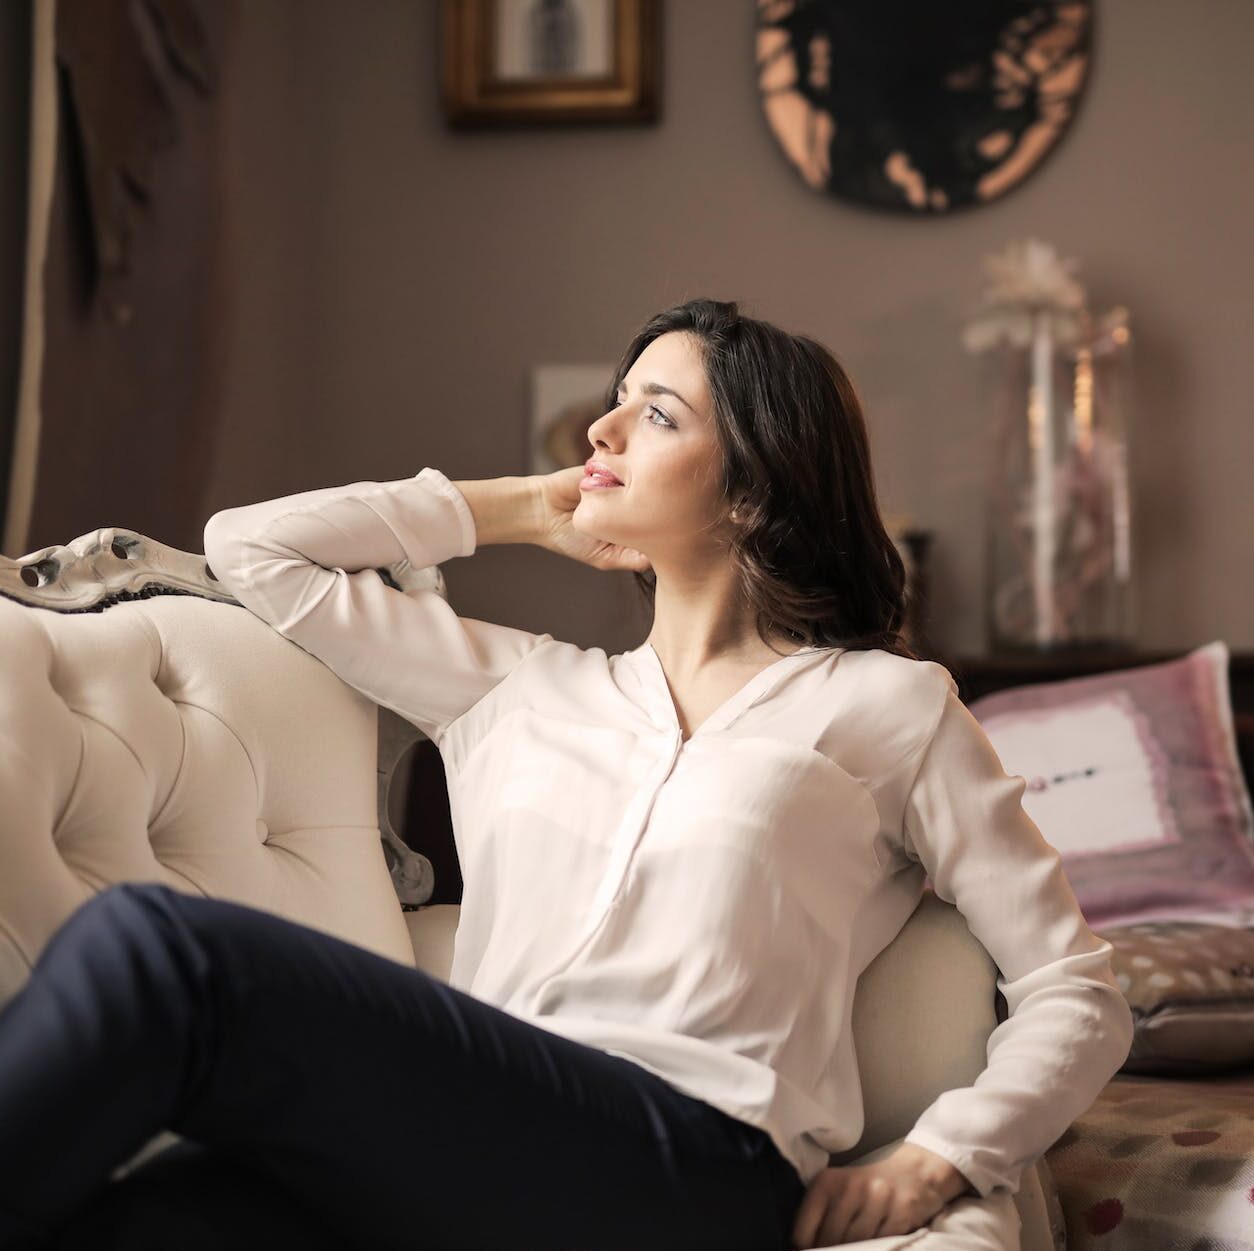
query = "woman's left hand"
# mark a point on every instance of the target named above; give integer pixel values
(895, 1195)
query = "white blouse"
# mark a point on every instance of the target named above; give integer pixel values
(702, 908)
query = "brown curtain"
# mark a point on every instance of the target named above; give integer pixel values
(136, 272)
(15, 49)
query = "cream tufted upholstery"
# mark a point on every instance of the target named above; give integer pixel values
(180, 739)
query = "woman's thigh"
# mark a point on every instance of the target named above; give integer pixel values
(195, 1197)
(408, 1113)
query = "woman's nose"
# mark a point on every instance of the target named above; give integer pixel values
(602, 431)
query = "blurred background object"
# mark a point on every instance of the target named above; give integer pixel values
(119, 395)
(1059, 528)
(918, 107)
(329, 281)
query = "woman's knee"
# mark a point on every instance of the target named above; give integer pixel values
(117, 903)
(137, 915)
(132, 905)
(126, 898)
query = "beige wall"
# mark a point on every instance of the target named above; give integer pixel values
(398, 280)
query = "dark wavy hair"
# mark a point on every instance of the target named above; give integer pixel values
(807, 538)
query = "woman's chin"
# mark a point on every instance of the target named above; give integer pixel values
(595, 533)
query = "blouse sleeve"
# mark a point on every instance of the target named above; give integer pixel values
(1068, 1027)
(307, 565)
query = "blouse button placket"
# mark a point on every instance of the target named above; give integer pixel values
(627, 837)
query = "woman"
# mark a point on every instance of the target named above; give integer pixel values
(677, 861)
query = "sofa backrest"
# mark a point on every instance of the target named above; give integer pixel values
(179, 739)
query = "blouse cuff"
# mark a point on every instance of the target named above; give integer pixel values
(434, 478)
(984, 1181)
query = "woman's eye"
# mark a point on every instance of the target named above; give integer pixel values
(653, 408)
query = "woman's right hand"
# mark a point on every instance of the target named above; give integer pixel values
(559, 496)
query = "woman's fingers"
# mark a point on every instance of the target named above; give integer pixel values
(810, 1213)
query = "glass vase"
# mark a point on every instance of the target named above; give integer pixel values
(1059, 534)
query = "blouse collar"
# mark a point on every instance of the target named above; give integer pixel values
(661, 705)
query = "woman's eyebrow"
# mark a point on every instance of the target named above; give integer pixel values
(656, 388)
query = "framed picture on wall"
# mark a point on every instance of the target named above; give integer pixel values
(544, 62)
(565, 401)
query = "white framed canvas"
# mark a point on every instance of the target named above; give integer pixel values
(565, 401)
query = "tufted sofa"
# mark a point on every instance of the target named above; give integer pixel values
(155, 730)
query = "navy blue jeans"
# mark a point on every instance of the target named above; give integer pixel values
(330, 1097)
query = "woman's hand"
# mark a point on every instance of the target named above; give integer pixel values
(559, 495)
(895, 1195)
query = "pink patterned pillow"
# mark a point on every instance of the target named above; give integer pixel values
(1134, 777)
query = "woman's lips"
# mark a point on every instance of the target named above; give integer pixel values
(592, 480)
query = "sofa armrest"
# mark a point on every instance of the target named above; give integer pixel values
(155, 730)
(112, 565)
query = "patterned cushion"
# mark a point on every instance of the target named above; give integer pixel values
(1191, 990)
(1158, 1164)
(1134, 776)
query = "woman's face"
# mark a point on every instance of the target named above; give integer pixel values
(663, 448)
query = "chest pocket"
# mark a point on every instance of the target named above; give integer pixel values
(807, 822)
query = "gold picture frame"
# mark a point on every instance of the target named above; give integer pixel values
(543, 62)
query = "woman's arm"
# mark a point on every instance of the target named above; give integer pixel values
(1069, 1027)
(505, 510)
(306, 564)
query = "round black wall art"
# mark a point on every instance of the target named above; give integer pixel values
(924, 106)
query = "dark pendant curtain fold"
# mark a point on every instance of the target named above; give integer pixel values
(15, 54)
(135, 280)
